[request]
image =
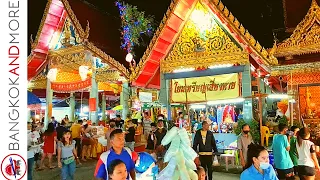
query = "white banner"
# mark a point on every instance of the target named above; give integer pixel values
(13, 55)
(145, 97)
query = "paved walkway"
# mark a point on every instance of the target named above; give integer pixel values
(225, 176)
(86, 170)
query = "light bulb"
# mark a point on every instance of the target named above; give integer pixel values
(129, 57)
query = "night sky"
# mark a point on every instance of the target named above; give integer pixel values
(262, 18)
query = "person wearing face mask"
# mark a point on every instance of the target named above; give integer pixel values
(243, 141)
(281, 148)
(258, 166)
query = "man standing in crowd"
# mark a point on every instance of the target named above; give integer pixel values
(205, 144)
(243, 141)
(130, 132)
(117, 151)
(112, 125)
(282, 160)
(76, 130)
(54, 121)
(119, 121)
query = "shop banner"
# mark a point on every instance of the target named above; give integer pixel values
(208, 88)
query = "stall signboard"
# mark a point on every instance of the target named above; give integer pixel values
(207, 88)
(145, 96)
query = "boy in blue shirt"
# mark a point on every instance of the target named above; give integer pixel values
(282, 160)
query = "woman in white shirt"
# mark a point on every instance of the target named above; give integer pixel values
(307, 162)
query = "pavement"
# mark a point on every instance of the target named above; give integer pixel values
(86, 171)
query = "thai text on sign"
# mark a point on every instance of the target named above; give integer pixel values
(206, 88)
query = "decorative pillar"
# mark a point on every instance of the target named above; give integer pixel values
(49, 96)
(93, 114)
(124, 99)
(72, 105)
(247, 91)
(103, 106)
(164, 93)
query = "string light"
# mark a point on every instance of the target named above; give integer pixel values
(134, 23)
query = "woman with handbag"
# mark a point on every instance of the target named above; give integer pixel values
(67, 155)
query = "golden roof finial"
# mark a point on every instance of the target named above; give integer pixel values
(273, 49)
(314, 3)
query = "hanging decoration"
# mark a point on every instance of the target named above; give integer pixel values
(134, 24)
(52, 74)
(83, 72)
(71, 86)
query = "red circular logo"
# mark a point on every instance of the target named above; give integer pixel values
(13, 167)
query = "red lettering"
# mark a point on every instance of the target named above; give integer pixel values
(13, 71)
(13, 50)
(14, 59)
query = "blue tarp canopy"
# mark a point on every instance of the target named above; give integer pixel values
(34, 103)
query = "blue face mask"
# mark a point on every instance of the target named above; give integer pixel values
(264, 165)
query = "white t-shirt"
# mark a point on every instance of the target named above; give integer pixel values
(33, 138)
(304, 153)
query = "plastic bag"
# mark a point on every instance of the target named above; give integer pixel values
(188, 152)
(215, 161)
(182, 166)
(169, 136)
(169, 169)
(173, 149)
(193, 175)
(190, 164)
(184, 136)
(176, 175)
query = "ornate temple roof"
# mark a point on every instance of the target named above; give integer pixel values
(306, 36)
(294, 12)
(300, 51)
(147, 71)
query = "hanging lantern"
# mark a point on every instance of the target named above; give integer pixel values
(52, 74)
(129, 57)
(83, 72)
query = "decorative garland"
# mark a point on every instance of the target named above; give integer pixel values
(134, 24)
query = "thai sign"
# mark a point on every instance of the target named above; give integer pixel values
(208, 88)
(70, 86)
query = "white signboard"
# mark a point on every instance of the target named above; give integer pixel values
(145, 97)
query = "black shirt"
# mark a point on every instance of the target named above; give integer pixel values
(160, 135)
(130, 135)
(120, 123)
(210, 144)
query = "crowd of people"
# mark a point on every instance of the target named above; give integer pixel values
(294, 155)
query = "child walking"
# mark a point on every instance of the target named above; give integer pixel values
(67, 155)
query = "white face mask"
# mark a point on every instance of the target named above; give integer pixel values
(264, 165)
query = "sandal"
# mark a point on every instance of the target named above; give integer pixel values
(52, 167)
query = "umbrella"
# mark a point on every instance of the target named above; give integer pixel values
(118, 108)
(34, 102)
